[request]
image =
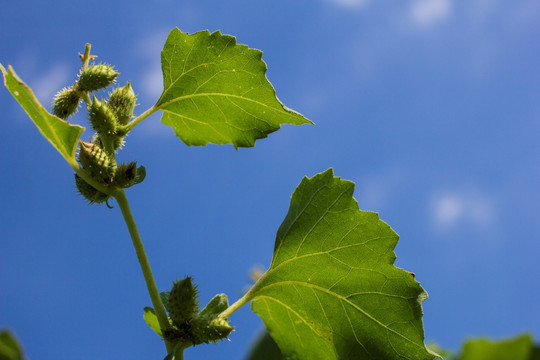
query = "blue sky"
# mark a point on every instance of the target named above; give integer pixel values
(432, 107)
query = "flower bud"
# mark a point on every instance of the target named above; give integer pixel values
(96, 77)
(66, 102)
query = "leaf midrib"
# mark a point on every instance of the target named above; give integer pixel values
(185, 97)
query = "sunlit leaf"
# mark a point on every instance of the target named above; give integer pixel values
(62, 135)
(152, 320)
(332, 291)
(216, 91)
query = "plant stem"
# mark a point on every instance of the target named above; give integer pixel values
(163, 320)
(242, 301)
(140, 118)
(85, 60)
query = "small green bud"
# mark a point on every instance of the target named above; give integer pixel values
(102, 118)
(96, 77)
(66, 102)
(122, 102)
(91, 194)
(96, 162)
(183, 303)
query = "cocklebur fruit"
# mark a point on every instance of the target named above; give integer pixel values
(66, 102)
(204, 329)
(128, 175)
(183, 304)
(96, 77)
(122, 102)
(97, 162)
(102, 118)
(116, 140)
(91, 194)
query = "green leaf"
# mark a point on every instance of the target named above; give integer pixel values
(216, 305)
(216, 91)
(519, 348)
(164, 295)
(62, 135)
(151, 319)
(9, 347)
(332, 291)
(265, 348)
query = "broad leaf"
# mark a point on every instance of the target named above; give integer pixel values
(332, 291)
(519, 348)
(62, 135)
(216, 91)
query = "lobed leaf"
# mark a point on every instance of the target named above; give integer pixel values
(332, 291)
(216, 91)
(61, 134)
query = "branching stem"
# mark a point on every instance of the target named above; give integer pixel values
(161, 315)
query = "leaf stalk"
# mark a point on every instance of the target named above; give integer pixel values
(243, 300)
(140, 118)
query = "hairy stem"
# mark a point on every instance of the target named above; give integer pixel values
(163, 320)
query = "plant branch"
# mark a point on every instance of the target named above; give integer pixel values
(161, 315)
(86, 57)
(140, 118)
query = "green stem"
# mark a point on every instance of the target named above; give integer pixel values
(140, 118)
(163, 320)
(85, 60)
(86, 56)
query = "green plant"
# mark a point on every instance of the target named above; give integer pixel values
(331, 292)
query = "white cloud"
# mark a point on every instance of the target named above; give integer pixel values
(429, 12)
(50, 82)
(452, 209)
(151, 78)
(375, 191)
